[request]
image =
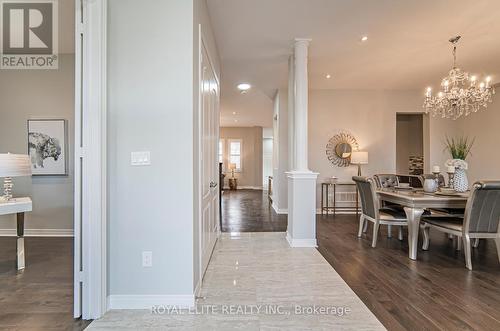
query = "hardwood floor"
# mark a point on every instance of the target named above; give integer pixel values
(435, 292)
(250, 211)
(41, 296)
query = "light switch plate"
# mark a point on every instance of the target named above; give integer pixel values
(140, 158)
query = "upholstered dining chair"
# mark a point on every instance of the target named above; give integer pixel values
(481, 219)
(386, 180)
(371, 211)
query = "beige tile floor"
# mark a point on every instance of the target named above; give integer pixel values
(259, 270)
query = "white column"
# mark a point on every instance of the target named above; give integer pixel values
(301, 104)
(301, 231)
(291, 102)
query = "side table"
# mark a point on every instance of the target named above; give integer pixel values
(18, 206)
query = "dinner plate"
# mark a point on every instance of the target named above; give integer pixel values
(449, 193)
(403, 187)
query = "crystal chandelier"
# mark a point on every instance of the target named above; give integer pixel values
(461, 93)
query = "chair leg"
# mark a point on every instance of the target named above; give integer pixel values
(467, 251)
(389, 231)
(400, 233)
(375, 233)
(365, 227)
(475, 243)
(497, 242)
(425, 246)
(361, 225)
(459, 243)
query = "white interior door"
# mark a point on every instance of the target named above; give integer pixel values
(209, 113)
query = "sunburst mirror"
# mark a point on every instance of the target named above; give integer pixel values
(340, 148)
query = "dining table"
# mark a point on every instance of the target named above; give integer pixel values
(415, 202)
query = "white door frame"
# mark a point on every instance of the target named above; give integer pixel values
(90, 159)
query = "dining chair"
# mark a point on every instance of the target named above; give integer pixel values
(386, 180)
(481, 219)
(371, 211)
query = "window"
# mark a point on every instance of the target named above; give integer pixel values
(221, 150)
(235, 153)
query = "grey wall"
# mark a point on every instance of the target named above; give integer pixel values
(26, 94)
(251, 158)
(150, 108)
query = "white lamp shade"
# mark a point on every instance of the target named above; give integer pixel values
(14, 165)
(232, 166)
(359, 157)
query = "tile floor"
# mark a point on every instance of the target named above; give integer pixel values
(260, 270)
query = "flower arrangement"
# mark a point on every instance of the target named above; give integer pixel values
(459, 148)
(457, 164)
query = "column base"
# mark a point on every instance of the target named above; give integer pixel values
(301, 231)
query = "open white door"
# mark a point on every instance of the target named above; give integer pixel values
(209, 135)
(90, 160)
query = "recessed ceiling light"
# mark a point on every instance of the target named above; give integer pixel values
(328, 76)
(364, 38)
(234, 113)
(244, 86)
(235, 121)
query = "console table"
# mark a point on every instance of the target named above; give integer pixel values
(325, 198)
(18, 206)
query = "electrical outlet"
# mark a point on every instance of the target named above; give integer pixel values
(147, 259)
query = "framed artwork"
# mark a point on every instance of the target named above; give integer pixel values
(47, 147)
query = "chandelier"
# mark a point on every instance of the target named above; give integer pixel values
(460, 94)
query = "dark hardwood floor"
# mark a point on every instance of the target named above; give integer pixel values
(250, 211)
(436, 292)
(41, 296)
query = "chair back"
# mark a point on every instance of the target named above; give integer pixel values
(413, 180)
(386, 180)
(482, 213)
(369, 200)
(441, 180)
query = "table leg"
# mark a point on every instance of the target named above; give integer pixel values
(20, 241)
(334, 200)
(327, 199)
(357, 207)
(413, 215)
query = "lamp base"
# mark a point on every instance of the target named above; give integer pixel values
(7, 188)
(359, 170)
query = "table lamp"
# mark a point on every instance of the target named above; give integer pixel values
(358, 158)
(232, 167)
(13, 165)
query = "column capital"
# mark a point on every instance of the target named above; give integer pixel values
(302, 41)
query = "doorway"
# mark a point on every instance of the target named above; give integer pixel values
(410, 144)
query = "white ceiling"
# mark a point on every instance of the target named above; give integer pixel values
(407, 46)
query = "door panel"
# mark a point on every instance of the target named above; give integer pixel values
(209, 137)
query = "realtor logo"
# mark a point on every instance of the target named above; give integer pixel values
(28, 34)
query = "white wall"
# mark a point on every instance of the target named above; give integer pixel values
(371, 117)
(150, 108)
(280, 151)
(484, 162)
(32, 94)
(267, 161)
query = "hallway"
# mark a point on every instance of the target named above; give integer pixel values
(250, 211)
(252, 271)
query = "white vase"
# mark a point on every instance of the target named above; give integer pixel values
(460, 181)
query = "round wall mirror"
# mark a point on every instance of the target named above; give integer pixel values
(340, 147)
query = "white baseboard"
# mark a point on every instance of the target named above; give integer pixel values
(278, 211)
(297, 243)
(38, 233)
(149, 301)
